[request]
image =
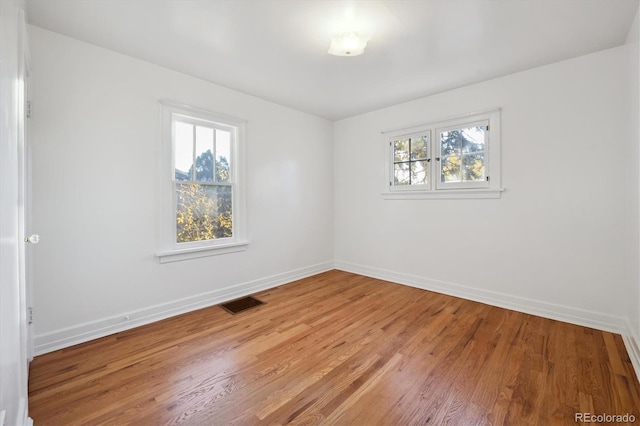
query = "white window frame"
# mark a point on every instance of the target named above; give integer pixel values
(487, 157)
(413, 135)
(447, 190)
(169, 249)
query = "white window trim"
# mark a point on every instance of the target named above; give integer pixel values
(390, 168)
(168, 249)
(487, 160)
(434, 190)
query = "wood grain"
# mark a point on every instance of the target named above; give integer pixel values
(339, 348)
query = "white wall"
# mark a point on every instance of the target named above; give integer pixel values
(96, 141)
(554, 244)
(633, 298)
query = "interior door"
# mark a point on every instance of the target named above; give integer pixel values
(13, 303)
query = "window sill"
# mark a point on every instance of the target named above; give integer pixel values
(446, 194)
(197, 252)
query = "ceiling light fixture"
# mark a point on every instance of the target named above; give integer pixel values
(347, 44)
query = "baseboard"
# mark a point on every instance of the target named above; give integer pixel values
(70, 336)
(563, 313)
(633, 348)
(23, 414)
(20, 416)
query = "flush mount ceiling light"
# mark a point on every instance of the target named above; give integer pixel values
(347, 44)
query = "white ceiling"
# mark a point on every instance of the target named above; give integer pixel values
(276, 49)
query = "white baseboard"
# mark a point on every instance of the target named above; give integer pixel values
(633, 348)
(70, 336)
(563, 313)
(23, 414)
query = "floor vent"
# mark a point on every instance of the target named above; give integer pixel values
(240, 305)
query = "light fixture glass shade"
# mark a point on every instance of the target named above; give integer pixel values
(347, 44)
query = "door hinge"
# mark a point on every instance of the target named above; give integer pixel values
(29, 109)
(487, 178)
(487, 128)
(29, 315)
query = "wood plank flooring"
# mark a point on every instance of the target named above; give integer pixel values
(339, 348)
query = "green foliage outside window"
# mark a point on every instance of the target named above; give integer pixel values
(204, 210)
(462, 156)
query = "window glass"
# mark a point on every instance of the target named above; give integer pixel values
(183, 150)
(203, 183)
(410, 161)
(203, 212)
(204, 154)
(462, 154)
(223, 155)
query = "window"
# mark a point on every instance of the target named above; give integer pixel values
(202, 202)
(461, 156)
(456, 158)
(411, 160)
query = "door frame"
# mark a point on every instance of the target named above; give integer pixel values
(24, 188)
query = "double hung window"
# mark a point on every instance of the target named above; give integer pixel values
(201, 183)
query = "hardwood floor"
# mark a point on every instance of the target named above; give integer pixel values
(339, 348)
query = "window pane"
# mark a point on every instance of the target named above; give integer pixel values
(401, 150)
(462, 152)
(204, 154)
(450, 171)
(472, 139)
(183, 150)
(450, 142)
(419, 172)
(223, 155)
(401, 174)
(473, 167)
(203, 212)
(419, 148)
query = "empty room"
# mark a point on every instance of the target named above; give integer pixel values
(319, 212)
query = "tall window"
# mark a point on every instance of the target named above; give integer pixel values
(456, 158)
(204, 208)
